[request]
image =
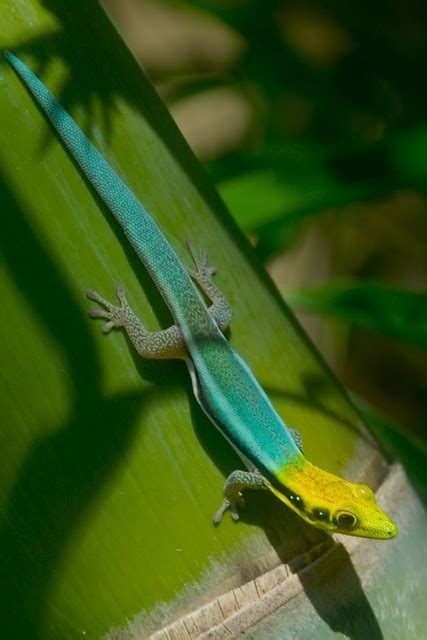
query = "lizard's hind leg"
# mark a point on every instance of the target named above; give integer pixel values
(219, 310)
(164, 344)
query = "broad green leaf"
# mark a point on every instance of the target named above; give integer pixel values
(272, 202)
(383, 309)
(110, 473)
(305, 180)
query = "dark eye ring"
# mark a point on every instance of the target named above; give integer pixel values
(346, 520)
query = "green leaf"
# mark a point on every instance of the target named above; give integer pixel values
(282, 196)
(383, 309)
(109, 470)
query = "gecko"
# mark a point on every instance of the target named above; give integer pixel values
(223, 383)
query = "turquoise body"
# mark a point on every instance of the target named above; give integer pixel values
(223, 383)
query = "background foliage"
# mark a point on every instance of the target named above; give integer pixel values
(311, 118)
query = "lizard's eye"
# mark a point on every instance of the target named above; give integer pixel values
(345, 520)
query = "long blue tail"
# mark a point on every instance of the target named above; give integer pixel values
(229, 392)
(144, 234)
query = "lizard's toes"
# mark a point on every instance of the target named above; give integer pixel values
(234, 514)
(218, 515)
(191, 248)
(108, 326)
(120, 292)
(92, 294)
(99, 313)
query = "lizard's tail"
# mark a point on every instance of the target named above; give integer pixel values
(144, 234)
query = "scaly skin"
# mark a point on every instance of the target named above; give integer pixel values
(223, 384)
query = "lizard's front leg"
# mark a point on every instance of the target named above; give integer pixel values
(151, 345)
(219, 310)
(235, 483)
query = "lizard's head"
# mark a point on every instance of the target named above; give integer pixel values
(331, 503)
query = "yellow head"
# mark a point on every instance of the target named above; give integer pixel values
(330, 503)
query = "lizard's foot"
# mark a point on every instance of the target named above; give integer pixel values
(229, 504)
(297, 439)
(220, 310)
(116, 316)
(203, 271)
(236, 481)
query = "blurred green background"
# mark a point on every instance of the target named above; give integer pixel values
(311, 118)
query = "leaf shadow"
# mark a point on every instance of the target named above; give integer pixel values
(335, 590)
(64, 471)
